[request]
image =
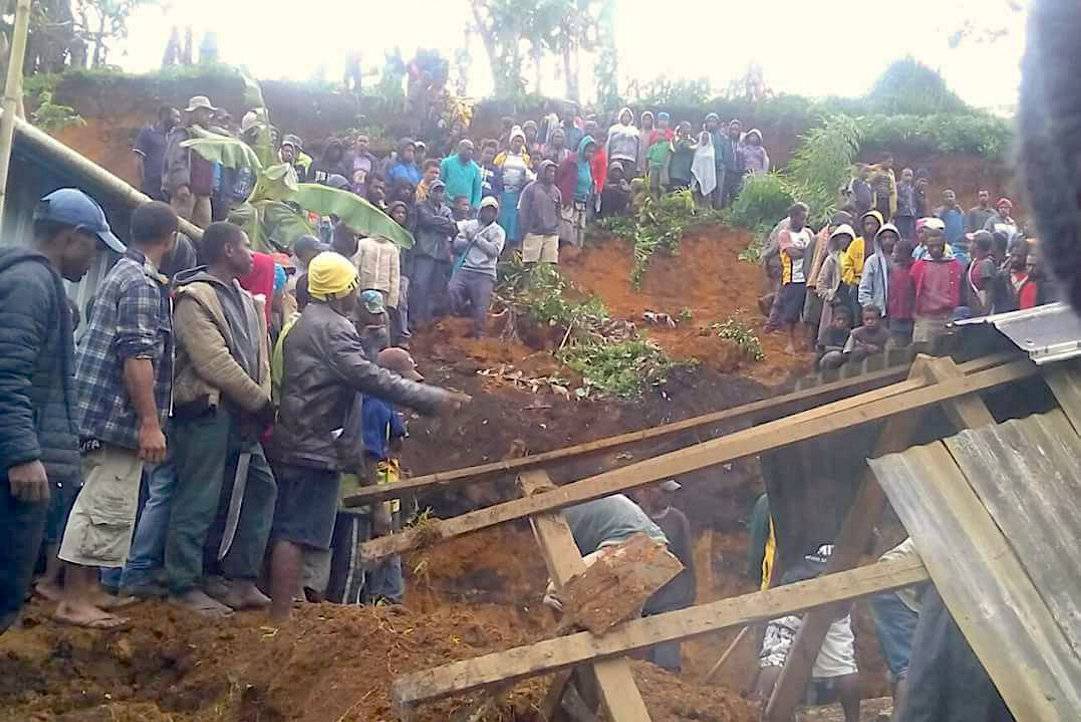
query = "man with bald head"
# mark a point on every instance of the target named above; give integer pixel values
(462, 175)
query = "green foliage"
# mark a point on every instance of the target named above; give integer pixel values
(622, 369)
(738, 331)
(665, 91)
(540, 293)
(909, 87)
(763, 200)
(227, 151)
(979, 133)
(822, 164)
(51, 116)
(355, 212)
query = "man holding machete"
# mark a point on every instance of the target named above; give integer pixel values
(221, 405)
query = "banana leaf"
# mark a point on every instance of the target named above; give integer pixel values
(354, 211)
(276, 183)
(230, 152)
(253, 92)
(282, 224)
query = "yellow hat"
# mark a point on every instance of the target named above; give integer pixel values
(331, 275)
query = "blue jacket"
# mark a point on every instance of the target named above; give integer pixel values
(403, 172)
(37, 368)
(462, 179)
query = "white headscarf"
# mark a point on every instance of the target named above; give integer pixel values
(704, 166)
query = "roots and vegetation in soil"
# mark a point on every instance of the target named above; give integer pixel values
(657, 225)
(740, 332)
(609, 355)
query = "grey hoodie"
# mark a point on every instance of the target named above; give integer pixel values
(481, 245)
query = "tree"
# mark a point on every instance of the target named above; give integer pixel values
(209, 53)
(100, 22)
(608, 62)
(501, 24)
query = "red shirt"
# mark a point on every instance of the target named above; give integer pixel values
(938, 286)
(1027, 290)
(901, 301)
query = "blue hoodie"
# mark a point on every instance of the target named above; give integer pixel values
(584, 187)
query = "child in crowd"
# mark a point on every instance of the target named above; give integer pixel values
(830, 285)
(874, 284)
(834, 675)
(384, 432)
(460, 208)
(663, 129)
(980, 276)
(937, 279)
(378, 263)
(833, 339)
(860, 195)
(1015, 287)
(704, 170)
(645, 135)
(660, 151)
(372, 323)
(905, 218)
(617, 192)
(901, 296)
(870, 338)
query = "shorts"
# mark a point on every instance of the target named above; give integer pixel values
(895, 625)
(98, 533)
(306, 507)
(536, 247)
(790, 301)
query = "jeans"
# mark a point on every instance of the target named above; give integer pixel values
(895, 625)
(22, 526)
(207, 452)
(471, 292)
(147, 553)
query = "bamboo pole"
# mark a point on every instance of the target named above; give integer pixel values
(12, 93)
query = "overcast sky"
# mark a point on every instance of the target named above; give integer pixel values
(828, 47)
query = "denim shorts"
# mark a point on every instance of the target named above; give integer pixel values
(895, 625)
(306, 507)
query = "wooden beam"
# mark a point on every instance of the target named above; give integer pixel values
(1064, 380)
(13, 90)
(819, 421)
(554, 654)
(744, 412)
(987, 590)
(963, 412)
(615, 682)
(786, 403)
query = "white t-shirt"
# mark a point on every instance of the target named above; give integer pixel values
(802, 240)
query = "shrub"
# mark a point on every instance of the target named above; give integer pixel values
(51, 116)
(910, 87)
(822, 163)
(763, 200)
(625, 368)
(738, 331)
(979, 133)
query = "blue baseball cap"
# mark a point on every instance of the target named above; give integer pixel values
(372, 301)
(72, 207)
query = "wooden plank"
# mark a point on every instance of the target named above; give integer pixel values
(1064, 380)
(554, 654)
(858, 529)
(748, 442)
(746, 412)
(1027, 475)
(615, 682)
(983, 584)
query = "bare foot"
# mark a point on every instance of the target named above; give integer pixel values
(103, 600)
(245, 595)
(196, 600)
(48, 590)
(82, 614)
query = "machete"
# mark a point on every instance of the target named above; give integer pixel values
(232, 520)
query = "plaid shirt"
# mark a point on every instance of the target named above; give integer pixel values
(131, 317)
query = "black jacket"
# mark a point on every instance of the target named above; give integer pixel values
(37, 368)
(324, 369)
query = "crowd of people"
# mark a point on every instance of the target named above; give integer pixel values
(888, 271)
(190, 434)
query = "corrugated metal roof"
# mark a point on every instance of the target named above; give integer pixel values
(1046, 333)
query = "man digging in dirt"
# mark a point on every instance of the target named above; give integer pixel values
(39, 456)
(324, 369)
(124, 378)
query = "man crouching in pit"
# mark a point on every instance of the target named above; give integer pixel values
(324, 369)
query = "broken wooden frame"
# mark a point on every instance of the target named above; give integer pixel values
(963, 412)
(879, 404)
(745, 412)
(552, 655)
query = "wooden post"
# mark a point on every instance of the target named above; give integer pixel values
(614, 679)
(13, 90)
(963, 412)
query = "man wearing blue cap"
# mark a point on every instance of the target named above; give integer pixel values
(123, 378)
(39, 452)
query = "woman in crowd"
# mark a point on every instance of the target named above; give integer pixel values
(514, 165)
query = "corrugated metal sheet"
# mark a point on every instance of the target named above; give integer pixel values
(1047, 334)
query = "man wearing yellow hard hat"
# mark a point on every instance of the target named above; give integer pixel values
(324, 369)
